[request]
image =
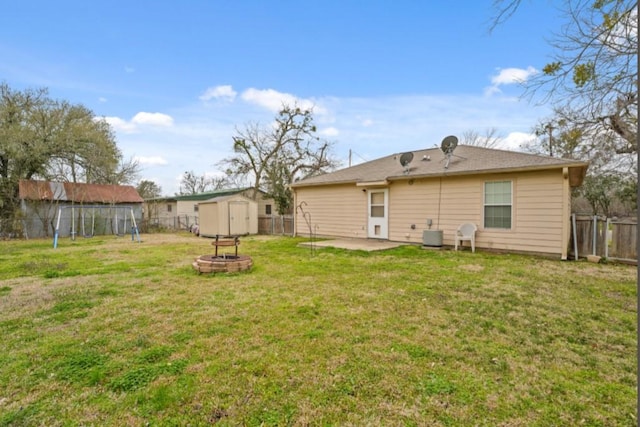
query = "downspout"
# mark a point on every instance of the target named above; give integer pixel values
(295, 212)
(566, 214)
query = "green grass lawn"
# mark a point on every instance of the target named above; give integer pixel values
(109, 332)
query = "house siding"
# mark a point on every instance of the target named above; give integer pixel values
(537, 210)
(539, 214)
(336, 210)
(187, 208)
(262, 207)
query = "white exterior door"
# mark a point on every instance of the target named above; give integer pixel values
(238, 218)
(378, 214)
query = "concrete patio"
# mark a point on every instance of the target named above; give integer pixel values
(354, 244)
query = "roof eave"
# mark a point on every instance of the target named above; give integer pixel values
(317, 184)
(581, 166)
(576, 177)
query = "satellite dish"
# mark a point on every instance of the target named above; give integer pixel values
(406, 158)
(449, 144)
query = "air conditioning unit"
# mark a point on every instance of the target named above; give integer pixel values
(432, 238)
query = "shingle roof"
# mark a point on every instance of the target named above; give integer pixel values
(78, 192)
(466, 160)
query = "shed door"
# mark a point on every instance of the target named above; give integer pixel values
(238, 217)
(378, 214)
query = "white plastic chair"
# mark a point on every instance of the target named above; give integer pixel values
(467, 231)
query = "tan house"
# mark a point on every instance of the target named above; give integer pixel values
(160, 210)
(519, 202)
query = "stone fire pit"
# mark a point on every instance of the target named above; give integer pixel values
(223, 263)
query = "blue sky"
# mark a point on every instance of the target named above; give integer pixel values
(175, 79)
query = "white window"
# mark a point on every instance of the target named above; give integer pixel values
(497, 204)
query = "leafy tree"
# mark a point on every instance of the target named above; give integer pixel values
(627, 193)
(149, 189)
(50, 139)
(274, 157)
(600, 191)
(195, 184)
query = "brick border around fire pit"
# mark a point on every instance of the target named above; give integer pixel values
(222, 264)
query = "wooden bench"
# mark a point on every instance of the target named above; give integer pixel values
(226, 241)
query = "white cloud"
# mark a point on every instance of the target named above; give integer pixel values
(152, 119)
(367, 122)
(330, 131)
(121, 125)
(513, 75)
(509, 76)
(154, 160)
(224, 92)
(516, 140)
(102, 100)
(141, 119)
(274, 100)
(268, 98)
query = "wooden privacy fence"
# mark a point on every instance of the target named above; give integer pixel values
(276, 225)
(606, 237)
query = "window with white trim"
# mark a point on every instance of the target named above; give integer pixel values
(498, 204)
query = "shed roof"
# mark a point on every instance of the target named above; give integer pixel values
(78, 192)
(465, 160)
(229, 197)
(212, 194)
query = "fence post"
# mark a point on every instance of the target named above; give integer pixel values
(606, 239)
(575, 237)
(595, 234)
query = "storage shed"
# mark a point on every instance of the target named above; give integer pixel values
(228, 215)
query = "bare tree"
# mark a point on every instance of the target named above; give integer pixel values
(490, 139)
(593, 76)
(276, 156)
(195, 184)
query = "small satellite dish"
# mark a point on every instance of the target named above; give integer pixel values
(406, 158)
(449, 144)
